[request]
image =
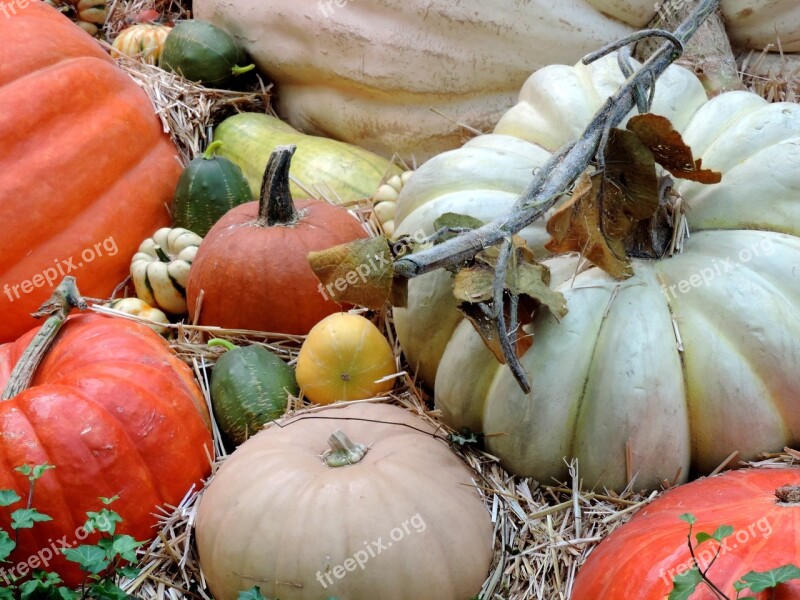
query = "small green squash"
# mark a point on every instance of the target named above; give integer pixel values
(249, 388)
(202, 52)
(209, 187)
(321, 167)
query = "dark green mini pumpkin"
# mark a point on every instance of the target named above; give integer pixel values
(202, 52)
(249, 388)
(208, 188)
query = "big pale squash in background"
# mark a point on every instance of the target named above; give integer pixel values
(400, 79)
(86, 172)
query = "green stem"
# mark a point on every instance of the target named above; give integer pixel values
(224, 343)
(343, 451)
(212, 149)
(64, 299)
(275, 205)
(162, 256)
(237, 70)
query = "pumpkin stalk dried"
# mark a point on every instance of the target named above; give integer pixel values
(343, 451)
(275, 205)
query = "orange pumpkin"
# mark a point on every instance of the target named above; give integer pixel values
(86, 171)
(252, 265)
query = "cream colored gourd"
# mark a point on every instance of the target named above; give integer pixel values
(144, 41)
(683, 378)
(393, 80)
(402, 522)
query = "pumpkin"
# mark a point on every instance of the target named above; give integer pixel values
(249, 388)
(144, 41)
(260, 247)
(389, 512)
(160, 269)
(140, 308)
(405, 86)
(321, 167)
(385, 200)
(78, 204)
(344, 357)
(668, 372)
(201, 52)
(117, 413)
(209, 187)
(761, 505)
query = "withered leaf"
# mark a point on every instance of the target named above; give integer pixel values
(474, 283)
(632, 183)
(359, 272)
(669, 149)
(486, 328)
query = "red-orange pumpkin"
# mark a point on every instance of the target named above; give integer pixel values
(253, 264)
(639, 559)
(117, 413)
(86, 171)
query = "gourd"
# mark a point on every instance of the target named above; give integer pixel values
(78, 204)
(262, 247)
(160, 269)
(667, 372)
(406, 85)
(249, 388)
(90, 15)
(761, 505)
(389, 497)
(144, 41)
(140, 308)
(321, 167)
(201, 52)
(344, 357)
(117, 414)
(209, 186)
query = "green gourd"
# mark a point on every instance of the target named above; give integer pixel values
(249, 388)
(202, 52)
(208, 188)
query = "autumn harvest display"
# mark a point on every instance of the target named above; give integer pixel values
(333, 300)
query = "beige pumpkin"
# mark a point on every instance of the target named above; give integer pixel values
(144, 41)
(401, 80)
(396, 517)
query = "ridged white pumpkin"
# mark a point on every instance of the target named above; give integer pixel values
(611, 373)
(375, 74)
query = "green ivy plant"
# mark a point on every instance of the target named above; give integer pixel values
(684, 584)
(103, 562)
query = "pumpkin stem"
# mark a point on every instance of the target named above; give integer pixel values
(343, 451)
(64, 299)
(237, 70)
(788, 494)
(220, 342)
(212, 149)
(162, 256)
(275, 206)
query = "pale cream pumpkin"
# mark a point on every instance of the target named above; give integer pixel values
(393, 80)
(398, 518)
(682, 378)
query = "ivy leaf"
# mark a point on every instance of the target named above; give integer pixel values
(108, 590)
(24, 518)
(689, 518)
(125, 547)
(684, 584)
(64, 593)
(8, 497)
(7, 593)
(760, 581)
(254, 593)
(454, 221)
(128, 571)
(670, 151)
(359, 272)
(34, 472)
(720, 533)
(91, 559)
(104, 521)
(107, 501)
(7, 545)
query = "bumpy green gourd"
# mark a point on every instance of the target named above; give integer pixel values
(250, 387)
(209, 187)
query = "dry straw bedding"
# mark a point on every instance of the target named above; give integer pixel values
(543, 531)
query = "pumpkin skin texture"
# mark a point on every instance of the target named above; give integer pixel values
(601, 380)
(405, 475)
(241, 253)
(117, 413)
(70, 194)
(144, 41)
(343, 358)
(368, 74)
(765, 536)
(323, 167)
